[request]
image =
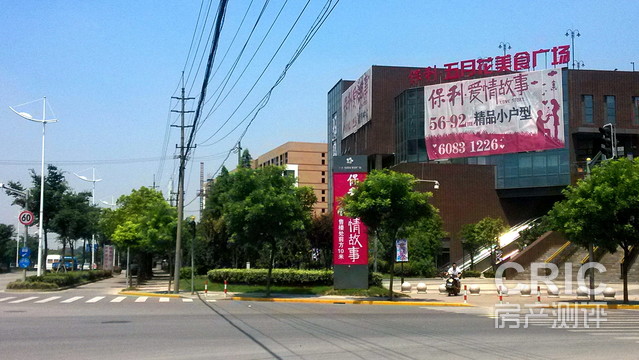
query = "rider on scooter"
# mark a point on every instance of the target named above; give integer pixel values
(455, 273)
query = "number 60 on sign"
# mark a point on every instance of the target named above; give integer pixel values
(26, 218)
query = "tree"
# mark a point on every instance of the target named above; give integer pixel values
(219, 251)
(386, 203)
(7, 251)
(144, 222)
(471, 242)
(320, 236)
(603, 210)
(245, 159)
(424, 244)
(55, 185)
(489, 230)
(75, 219)
(264, 209)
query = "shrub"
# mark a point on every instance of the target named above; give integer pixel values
(32, 285)
(471, 273)
(117, 270)
(185, 272)
(278, 277)
(375, 279)
(489, 274)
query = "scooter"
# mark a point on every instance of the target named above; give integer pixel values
(453, 286)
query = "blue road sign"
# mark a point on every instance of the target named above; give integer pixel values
(25, 252)
(24, 263)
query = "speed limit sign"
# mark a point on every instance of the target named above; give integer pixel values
(26, 218)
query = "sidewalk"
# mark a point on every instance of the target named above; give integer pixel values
(488, 294)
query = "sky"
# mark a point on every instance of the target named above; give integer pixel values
(108, 70)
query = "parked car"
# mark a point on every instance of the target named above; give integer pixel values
(86, 266)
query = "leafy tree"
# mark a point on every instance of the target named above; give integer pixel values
(55, 185)
(531, 234)
(489, 229)
(245, 159)
(75, 219)
(603, 210)
(471, 242)
(263, 209)
(387, 203)
(145, 222)
(320, 236)
(424, 244)
(7, 251)
(218, 250)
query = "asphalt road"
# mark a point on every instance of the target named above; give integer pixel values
(99, 324)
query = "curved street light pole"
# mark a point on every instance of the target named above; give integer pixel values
(505, 46)
(44, 122)
(572, 33)
(92, 180)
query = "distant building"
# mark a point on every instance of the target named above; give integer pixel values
(308, 162)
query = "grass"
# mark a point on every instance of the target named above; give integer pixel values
(198, 285)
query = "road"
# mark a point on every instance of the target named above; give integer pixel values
(93, 322)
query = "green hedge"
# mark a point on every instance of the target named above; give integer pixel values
(287, 277)
(471, 274)
(56, 280)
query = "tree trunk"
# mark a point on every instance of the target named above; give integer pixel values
(392, 273)
(472, 261)
(624, 273)
(270, 271)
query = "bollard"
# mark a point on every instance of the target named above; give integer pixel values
(538, 294)
(206, 288)
(225, 288)
(501, 299)
(465, 294)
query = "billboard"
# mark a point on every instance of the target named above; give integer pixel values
(350, 237)
(357, 103)
(495, 115)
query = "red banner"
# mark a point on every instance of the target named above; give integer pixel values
(350, 237)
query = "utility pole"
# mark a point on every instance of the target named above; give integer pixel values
(238, 147)
(180, 208)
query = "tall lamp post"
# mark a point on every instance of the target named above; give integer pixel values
(505, 46)
(92, 180)
(572, 33)
(44, 122)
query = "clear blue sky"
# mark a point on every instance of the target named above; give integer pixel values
(109, 68)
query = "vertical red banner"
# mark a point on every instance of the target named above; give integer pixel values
(350, 237)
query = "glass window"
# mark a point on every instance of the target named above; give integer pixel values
(635, 110)
(525, 165)
(587, 104)
(611, 113)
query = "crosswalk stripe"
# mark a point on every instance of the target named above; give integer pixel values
(47, 300)
(141, 299)
(23, 300)
(164, 299)
(627, 338)
(95, 299)
(70, 300)
(187, 300)
(118, 299)
(7, 298)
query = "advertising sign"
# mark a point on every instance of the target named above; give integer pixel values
(496, 115)
(109, 253)
(350, 238)
(401, 247)
(357, 103)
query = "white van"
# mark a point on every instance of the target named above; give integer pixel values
(51, 259)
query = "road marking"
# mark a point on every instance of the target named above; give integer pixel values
(141, 299)
(627, 338)
(211, 300)
(47, 300)
(7, 298)
(118, 299)
(187, 300)
(23, 300)
(95, 299)
(164, 299)
(68, 301)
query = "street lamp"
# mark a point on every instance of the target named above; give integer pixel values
(580, 64)
(435, 182)
(44, 122)
(92, 180)
(505, 46)
(572, 33)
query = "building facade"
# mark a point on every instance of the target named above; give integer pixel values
(514, 186)
(308, 162)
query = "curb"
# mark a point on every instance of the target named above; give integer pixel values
(141, 293)
(350, 301)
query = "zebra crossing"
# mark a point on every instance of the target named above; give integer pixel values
(10, 300)
(615, 324)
